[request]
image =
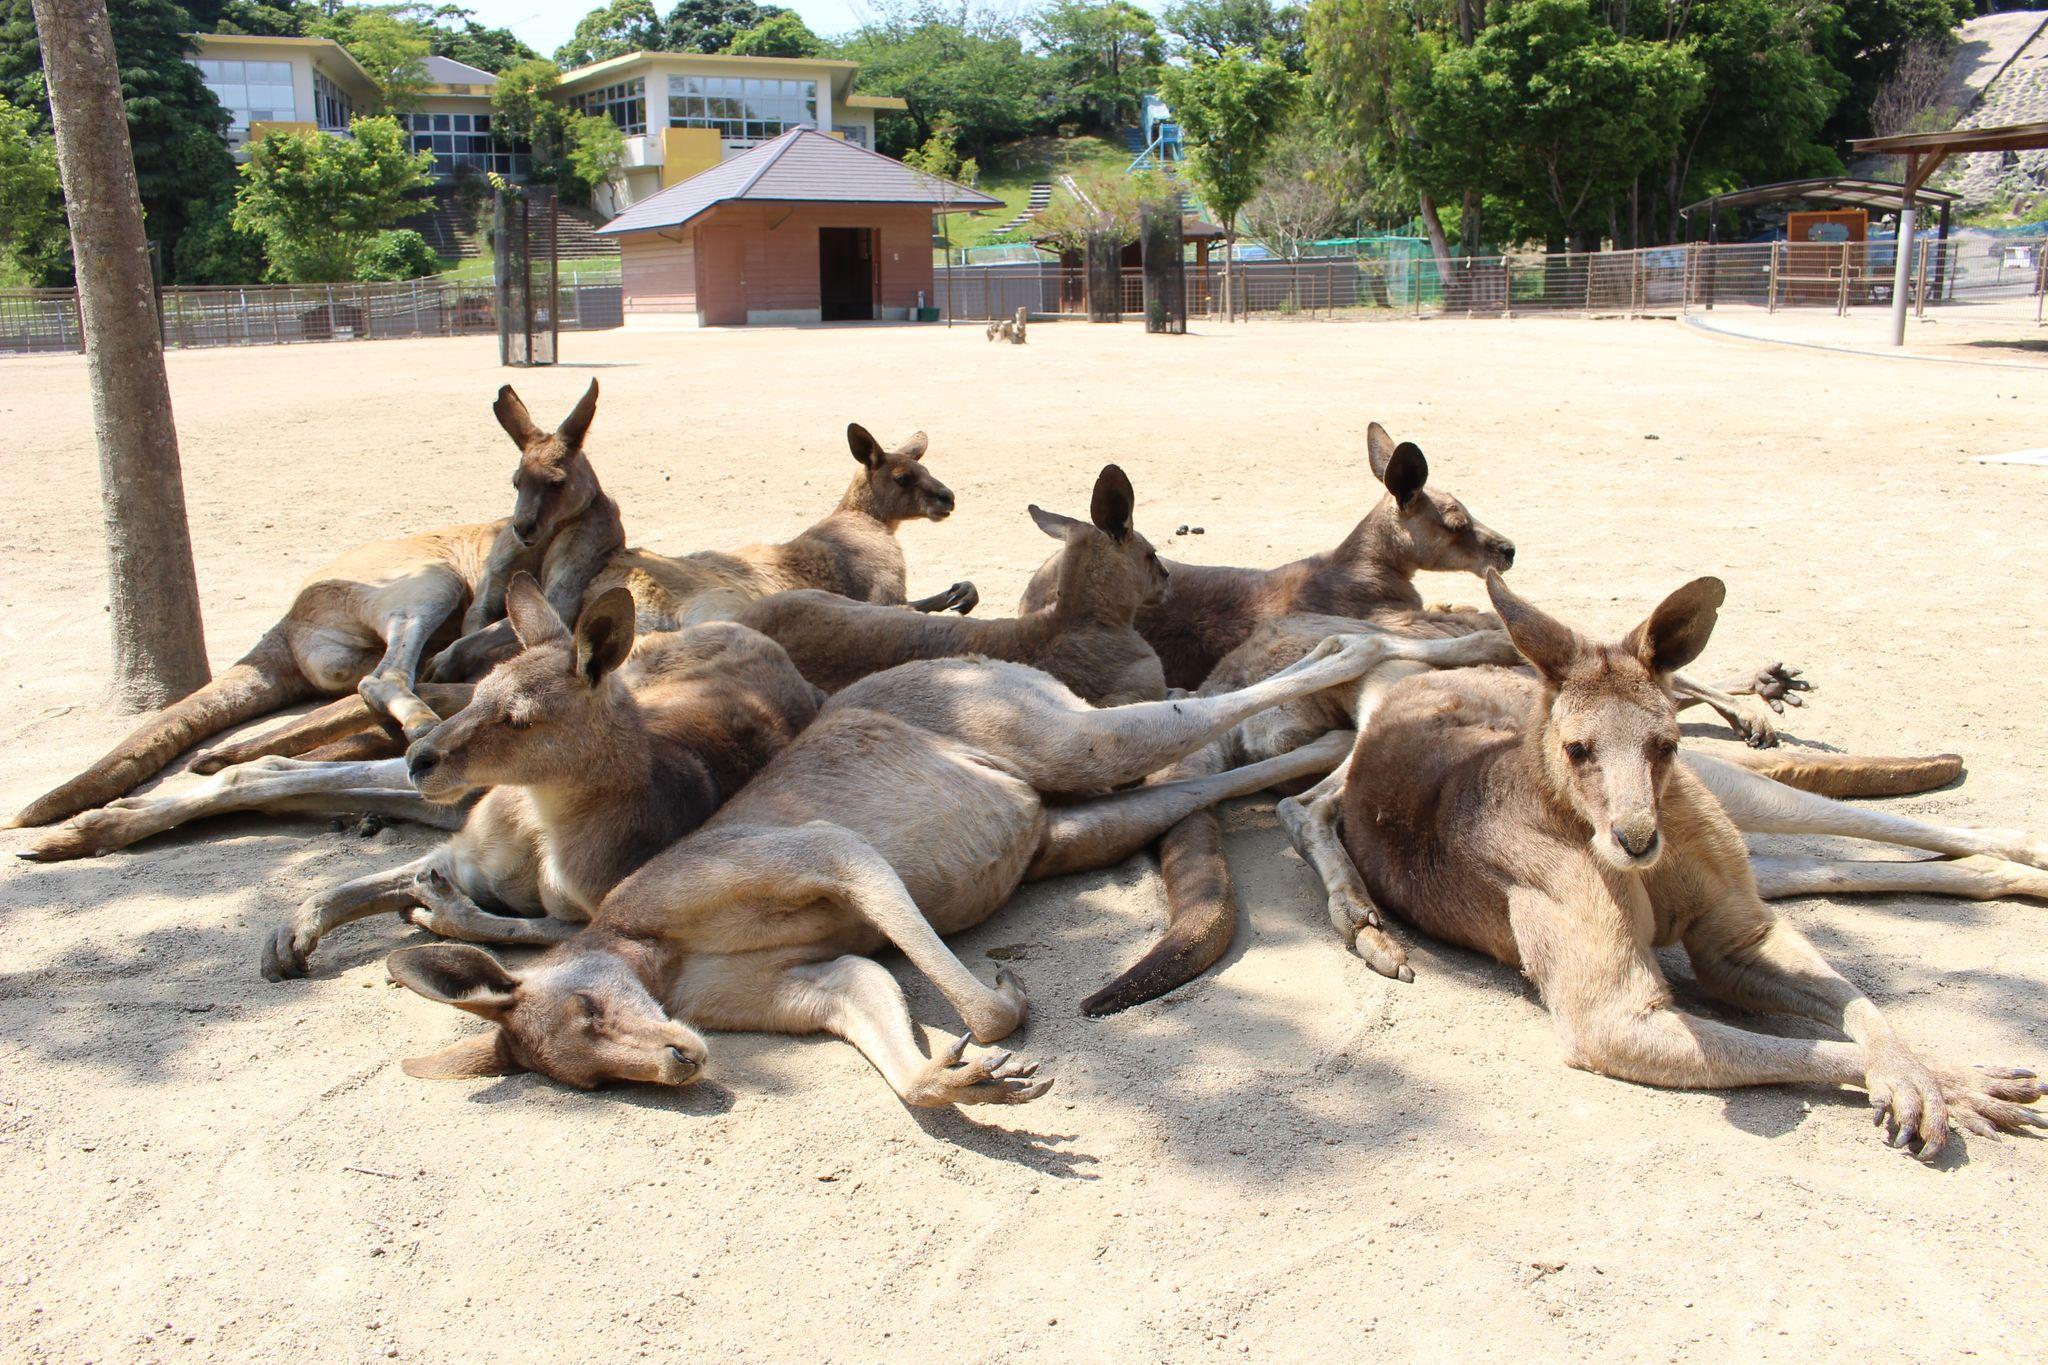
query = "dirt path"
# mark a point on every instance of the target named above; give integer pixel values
(1293, 1157)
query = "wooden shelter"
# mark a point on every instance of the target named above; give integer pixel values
(1924, 153)
(803, 228)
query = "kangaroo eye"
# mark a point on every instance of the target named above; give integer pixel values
(1663, 746)
(1577, 752)
(515, 720)
(905, 480)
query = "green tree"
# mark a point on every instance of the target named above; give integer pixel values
(612, 30)
(462, 39)
(1230, 108)
(1106, 53)
(1871, 40)
(961, 67)
(261, 19)
(1216, 26)
(1108, 200)
(397, 254)
(779, 35)
(214, 251)
(175, 125)
(712, 25)
(596, 152)
(391, 46)
(319, 202)
(1555, 114)
(31, 197)
(524, 108)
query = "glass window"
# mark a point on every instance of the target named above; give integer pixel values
(251, 92)
(625, 104)
(743, 110)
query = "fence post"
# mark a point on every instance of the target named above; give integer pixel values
(1771, 299)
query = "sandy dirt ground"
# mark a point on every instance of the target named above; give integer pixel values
(1293, 1157)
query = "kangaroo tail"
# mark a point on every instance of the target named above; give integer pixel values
(1850, 774)
(1201, 906)
(264, 679)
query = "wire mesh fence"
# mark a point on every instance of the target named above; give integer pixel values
(1651, 281)
(46, 320)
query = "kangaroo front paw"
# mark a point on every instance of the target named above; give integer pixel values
(998, 1077)
(286, 951)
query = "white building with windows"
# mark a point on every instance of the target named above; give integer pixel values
(682, 112)
(293, 84)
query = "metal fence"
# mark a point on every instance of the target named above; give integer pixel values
(46, 320)
(1654, 280)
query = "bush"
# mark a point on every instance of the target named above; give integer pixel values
(400, 254)
(212, 250)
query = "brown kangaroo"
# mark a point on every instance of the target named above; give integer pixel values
(1086, 638)
(852, 553)
(1546, 822)
(363, 622)
(1414, 527)
(761, 919)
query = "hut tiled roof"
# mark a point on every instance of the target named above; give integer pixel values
(802, 166)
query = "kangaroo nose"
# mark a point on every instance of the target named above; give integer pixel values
(1507, 554)
(422, 759)
(1636, 843)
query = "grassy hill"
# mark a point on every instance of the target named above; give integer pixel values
(1009, 172)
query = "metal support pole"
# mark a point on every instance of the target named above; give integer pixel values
(1902, 267)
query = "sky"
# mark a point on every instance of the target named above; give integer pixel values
(546, 24)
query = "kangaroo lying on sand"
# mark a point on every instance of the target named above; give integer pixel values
(911, 808)
(852, 553)
(1085, 639)
(363, 622)
(1011, 329)
(1546, 822)
(1774, 793)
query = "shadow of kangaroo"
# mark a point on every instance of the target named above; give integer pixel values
(1547, 821)
(851, 553)
(1086, 638)
(363, 622)
(911, 808)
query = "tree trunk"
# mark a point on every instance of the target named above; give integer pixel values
(1229, 274)
(159, 644)
(1433, 224)
(1472, 223)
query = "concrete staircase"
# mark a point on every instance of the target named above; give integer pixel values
(1041, 197)
(453, 236)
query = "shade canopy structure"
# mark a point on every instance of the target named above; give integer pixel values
(802, 166)
(1882, 196)
(1924, 153)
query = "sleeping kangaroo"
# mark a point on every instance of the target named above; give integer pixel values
(852, 553)
(1086, 639)
(364, 621)
(1547, 822)
(911, 808)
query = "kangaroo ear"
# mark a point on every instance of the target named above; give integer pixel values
(518, 423)
(1406, 472)
(1052, 523)
(526, 606)
(458, 974)
(1379, 448)
(1676, 632)
(865, 448)
(578, 421)
(604, 634)
(1113, 502)
(915, 447)
(486, 1054)
(1543, 640)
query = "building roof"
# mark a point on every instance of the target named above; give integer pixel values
(448, 71)
(315, 47)
(876, 102)
(1883, 195)
(613, 66)
(802, 166)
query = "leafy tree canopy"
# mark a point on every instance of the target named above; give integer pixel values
(959, 67)
(612, 30)
(1216, 26)
(779, 35)
(1105, 54)
(712, 25)
(1230, 109)
(319, 203)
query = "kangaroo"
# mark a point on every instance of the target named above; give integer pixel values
(911, 808)
(1085, 638)
(363, 622)
(852, 553)
(1413, 527)
(1547, 822)
(658, 743)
